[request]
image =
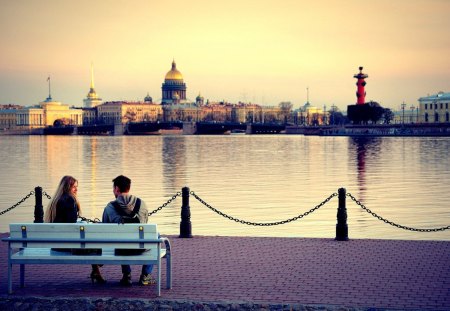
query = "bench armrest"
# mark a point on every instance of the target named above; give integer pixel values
(167, 243)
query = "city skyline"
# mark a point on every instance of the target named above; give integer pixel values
(263, 52)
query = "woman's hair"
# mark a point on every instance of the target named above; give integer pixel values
(64, 187)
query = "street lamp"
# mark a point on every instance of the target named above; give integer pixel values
(403, 108)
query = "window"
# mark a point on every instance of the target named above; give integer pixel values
(426, 106)
(442, 105)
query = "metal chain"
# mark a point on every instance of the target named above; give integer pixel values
(264, 223)
(47, 195)
(165, 204)
(18, 203)
(393, 223)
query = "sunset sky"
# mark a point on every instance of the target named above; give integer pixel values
(259, 51)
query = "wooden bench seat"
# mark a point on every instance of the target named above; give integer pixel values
(31, 243)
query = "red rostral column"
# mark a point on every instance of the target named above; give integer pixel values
(361, 93)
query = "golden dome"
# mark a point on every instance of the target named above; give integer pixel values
(174, 74)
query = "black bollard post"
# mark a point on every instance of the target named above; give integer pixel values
(185, 224)
(341, 227)
(38, 208)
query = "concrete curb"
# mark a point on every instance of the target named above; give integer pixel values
(8, 303)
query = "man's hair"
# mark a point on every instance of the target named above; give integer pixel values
(122, 182)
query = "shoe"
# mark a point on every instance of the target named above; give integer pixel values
(97, 277)
(146, 279)
(126, 280)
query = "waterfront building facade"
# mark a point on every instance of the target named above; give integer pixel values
(90, 115)
(48, 113)
(8, 116)
(8, 119)
(124, 112)
(435, 108)
(310, 115)
(176, 107)
(189, 112)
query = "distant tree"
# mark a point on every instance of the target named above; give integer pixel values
(285, 110)
(362, 114)
(62, 122)
(375, 111)
(388, 115)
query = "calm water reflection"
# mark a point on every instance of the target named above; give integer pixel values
(254, 178)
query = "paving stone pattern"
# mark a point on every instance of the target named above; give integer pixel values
(247, 273)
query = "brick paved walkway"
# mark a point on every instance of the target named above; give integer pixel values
(382, 274)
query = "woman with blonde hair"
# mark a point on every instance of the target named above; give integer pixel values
(65, 208)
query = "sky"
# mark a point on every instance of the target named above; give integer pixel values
(263, 51)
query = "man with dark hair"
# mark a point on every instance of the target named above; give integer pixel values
(127, 208)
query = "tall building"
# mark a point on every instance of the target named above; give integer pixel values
(173, 88)
(92, 100)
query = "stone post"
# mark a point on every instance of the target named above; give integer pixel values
(341, 227)
(185, 224)
(38, 208)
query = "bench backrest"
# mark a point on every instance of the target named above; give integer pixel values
(104, 235)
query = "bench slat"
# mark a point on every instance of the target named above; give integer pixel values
(46, 255)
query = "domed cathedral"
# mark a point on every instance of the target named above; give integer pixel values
(173, 88)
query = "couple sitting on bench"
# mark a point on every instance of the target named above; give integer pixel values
(126, 208)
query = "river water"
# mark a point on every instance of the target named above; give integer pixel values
(255, 178)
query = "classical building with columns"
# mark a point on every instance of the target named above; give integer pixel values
(48, 113)
(435, 108)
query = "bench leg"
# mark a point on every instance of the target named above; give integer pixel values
(9, 278)
(22, 275)
(158, 282)
(168, 272)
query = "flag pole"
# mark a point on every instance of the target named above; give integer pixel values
(49, 89)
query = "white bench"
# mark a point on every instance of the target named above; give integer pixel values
(32, 243)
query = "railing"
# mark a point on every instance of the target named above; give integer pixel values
(186, 226)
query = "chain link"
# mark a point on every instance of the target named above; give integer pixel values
(47, 195)
(263, 223)
(393, 223)
(18, 203)
(165, 204)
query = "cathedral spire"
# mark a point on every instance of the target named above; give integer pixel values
(92, 94)
(92, 76)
